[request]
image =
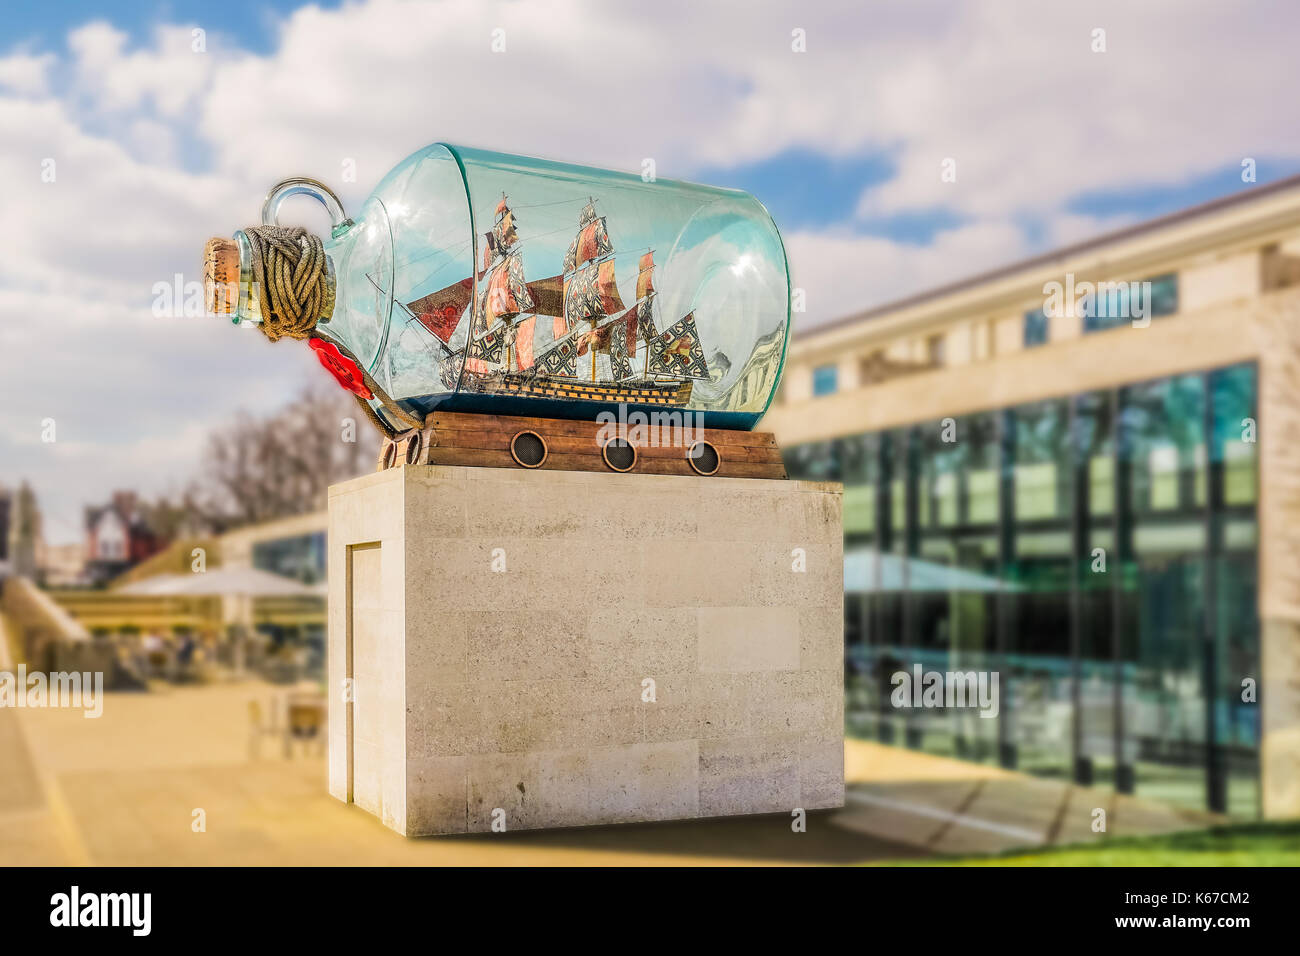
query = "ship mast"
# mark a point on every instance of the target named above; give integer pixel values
(590, 295)
(645, 293)
(506, 295)
(590, 292)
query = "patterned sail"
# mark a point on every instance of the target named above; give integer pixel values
(502, 346)
(597, 339)
(645, 318)
(440, 311)
(504, 233)
(449, 372)
(621, 343)
(561, 360)
(678, 351)
(603, 336)
(522, 343)
(507, 292)
(476, 359)
(592, 242)
(486, 351)
(592, 293)
(645, 293)
(645, 275)
(548, 296)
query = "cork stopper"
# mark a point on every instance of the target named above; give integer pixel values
(221, 275)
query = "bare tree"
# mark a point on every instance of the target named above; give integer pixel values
(258, 469)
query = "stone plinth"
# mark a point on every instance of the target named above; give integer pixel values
(549, 648)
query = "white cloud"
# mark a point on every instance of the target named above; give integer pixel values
(26, 74)
(843, 273)
(167, 76)
(1014, 93)
(157, 146)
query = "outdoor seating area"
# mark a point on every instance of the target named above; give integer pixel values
(197, 628)
(194, 656)
(291, 724)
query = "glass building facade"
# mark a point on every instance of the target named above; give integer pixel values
(301, 557)
(1098, 551)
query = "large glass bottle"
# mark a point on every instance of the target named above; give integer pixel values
(483, 282)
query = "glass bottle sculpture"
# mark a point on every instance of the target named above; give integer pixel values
(476, 281)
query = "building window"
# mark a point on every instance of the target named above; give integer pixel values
(1068, 545)
(1035, 328)
(816, 461)
(825, 378)
(301, 557)
(1164, 295)
(1120, 303)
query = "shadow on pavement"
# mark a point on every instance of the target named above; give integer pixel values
(765, 837)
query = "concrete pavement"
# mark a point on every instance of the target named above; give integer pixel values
(124, 789)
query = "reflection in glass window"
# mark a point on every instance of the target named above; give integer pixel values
(1096, 568)
(953, 578)
(1162, 443)
(815, 461)
(301, 557)
(1082, 547)
(1233, 451)
(1037, 670)
(1119, 303)
(1163, 425)
(1235, 439)
(1164, 295)
(859, 459)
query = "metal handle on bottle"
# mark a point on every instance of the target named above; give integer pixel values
(302, 186)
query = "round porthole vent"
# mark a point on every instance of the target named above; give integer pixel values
(703, 458)
(528, 449)
(619, 454)
(413, 445)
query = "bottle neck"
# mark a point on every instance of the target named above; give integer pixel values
(249, 310)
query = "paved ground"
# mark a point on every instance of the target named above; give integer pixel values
(123, 790)
(952, 807)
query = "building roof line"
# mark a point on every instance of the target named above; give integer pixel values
(1023, 265)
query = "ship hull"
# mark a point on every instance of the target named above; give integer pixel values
(646, 392)
(528, 394)
(501, 403)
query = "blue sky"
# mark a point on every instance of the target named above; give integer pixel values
(802, 187)
(46, 25)
(842, 135)
(804, 190)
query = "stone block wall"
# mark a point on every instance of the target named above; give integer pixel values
(547, 648)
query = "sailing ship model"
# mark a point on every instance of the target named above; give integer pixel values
(587, 317)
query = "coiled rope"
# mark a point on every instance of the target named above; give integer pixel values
(289, 270)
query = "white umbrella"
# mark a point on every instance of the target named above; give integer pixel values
(222, 582)
(237, 588)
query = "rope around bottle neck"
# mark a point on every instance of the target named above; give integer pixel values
(288, 267)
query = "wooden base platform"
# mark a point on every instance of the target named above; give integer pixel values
(658, 448)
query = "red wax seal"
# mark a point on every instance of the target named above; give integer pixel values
(341, 367)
